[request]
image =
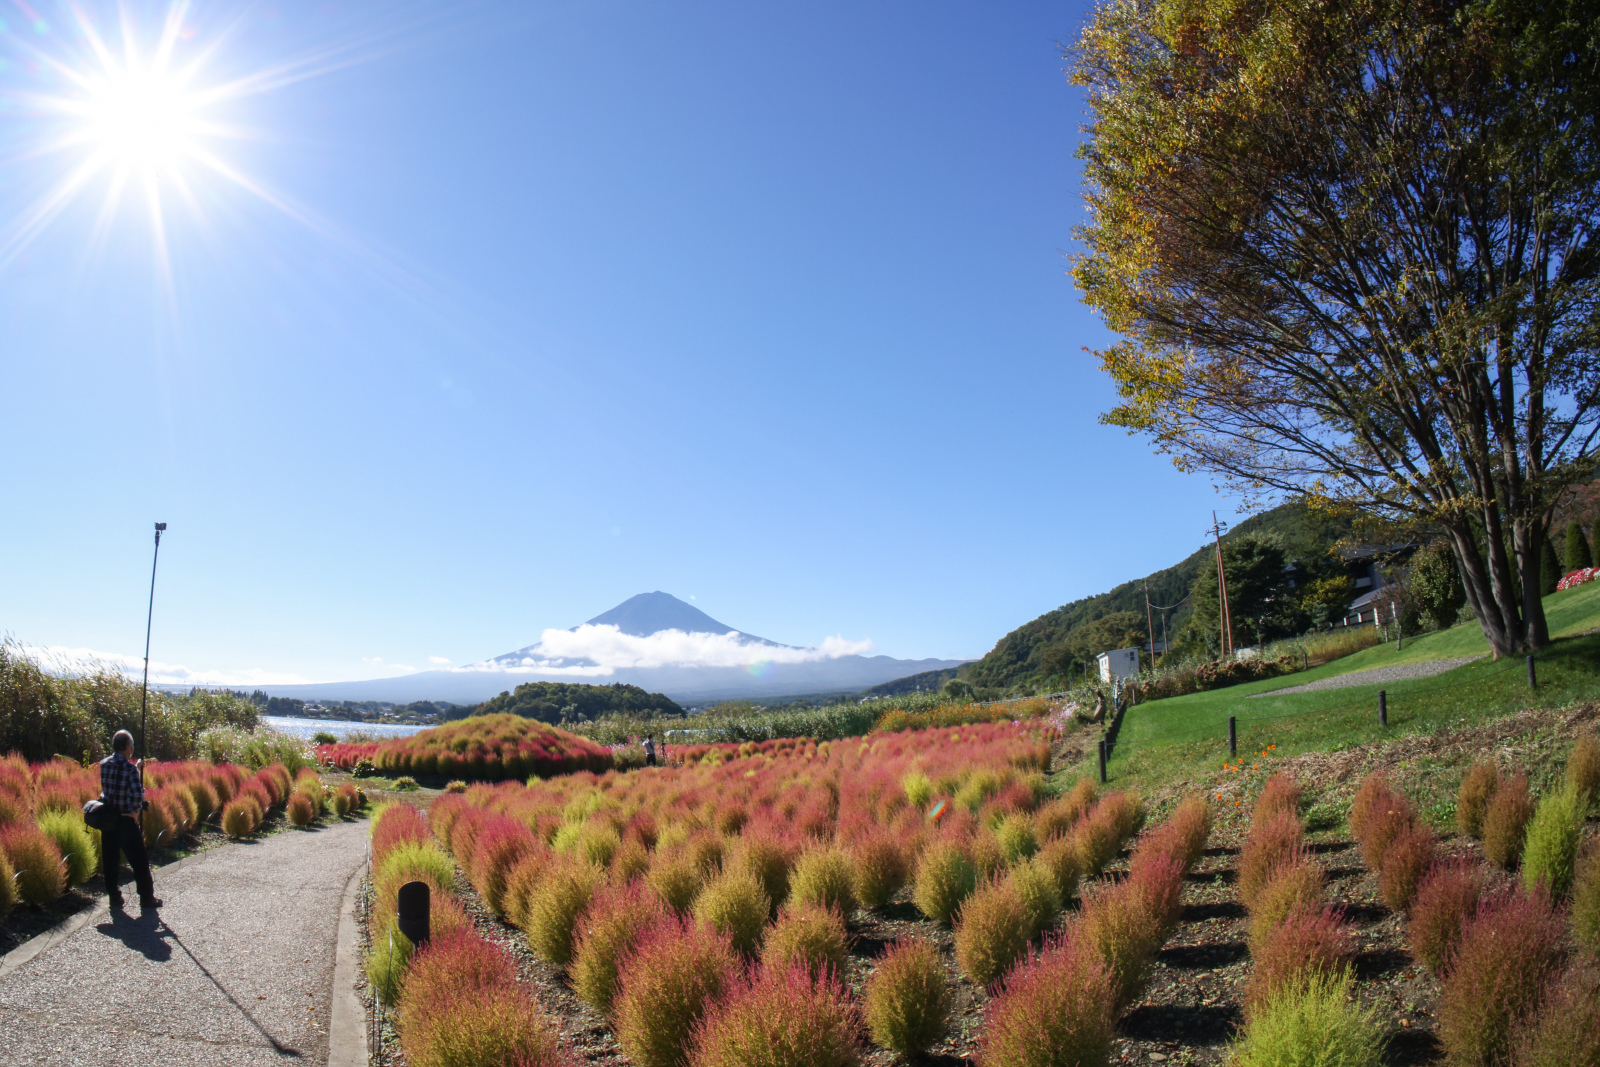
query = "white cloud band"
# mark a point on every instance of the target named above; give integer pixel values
(606, 648)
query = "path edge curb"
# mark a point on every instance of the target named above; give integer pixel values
(39, 944)
(347, 1021)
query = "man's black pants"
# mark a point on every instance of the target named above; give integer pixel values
(126, 839)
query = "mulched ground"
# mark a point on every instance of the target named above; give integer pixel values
(1192, 1007)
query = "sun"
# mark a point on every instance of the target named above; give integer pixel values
(142, 119)
(138, 113)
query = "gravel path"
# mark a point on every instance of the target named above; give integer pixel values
(236, 971)
(1398, 673)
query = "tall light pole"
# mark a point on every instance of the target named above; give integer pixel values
(150, 614)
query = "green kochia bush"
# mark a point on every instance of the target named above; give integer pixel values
(907, 1002)
(79, 845)
(992, 933)
(1311, 1025)
(945, 877)
(1550, 852)
(826, 878)
(734, 904)
(806, 935)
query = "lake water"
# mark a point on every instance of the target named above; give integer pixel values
(309, 728)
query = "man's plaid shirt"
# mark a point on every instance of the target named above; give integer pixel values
(120, 784)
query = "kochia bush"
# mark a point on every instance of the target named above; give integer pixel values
(1508, 952)
(37, 870)
(1472, 801)
(1550, 850)
(823, 876)
(1506, 821)
(668, 981)
(552, 910)
(1306, 945)
(463, 1006)
(945, 877)
(1056, 1010)
(1310, 1023)
(1586, 901)
(780, 1019)
(734, 904)
(808, 936)
(1446, 900)
(1269, 845)
(907, 1004)
(616, 917)
(992, 932)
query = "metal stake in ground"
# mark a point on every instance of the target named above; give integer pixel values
(1533, 679)
(1383, 707)
(1233, 736)
(150, 614)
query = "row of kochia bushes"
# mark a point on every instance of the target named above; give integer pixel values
(703, 909)
(488, 747)
(1514, 943)
(45, 847)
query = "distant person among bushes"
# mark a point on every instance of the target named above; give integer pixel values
(122, 789)
(649, 750)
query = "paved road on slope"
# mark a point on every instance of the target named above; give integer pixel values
(236, 971)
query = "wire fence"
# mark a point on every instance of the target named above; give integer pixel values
(1228, 729)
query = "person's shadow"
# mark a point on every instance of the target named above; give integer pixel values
(143, 933)
(148, 935)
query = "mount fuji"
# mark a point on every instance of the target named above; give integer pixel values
(654, 641)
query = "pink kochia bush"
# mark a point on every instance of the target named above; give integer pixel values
(464, 1006)
(1056, 1010)
(1508, 954)
(780, 1018)
(1445, 902)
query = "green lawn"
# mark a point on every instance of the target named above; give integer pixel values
(1181, 737)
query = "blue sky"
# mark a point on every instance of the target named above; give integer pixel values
(531, 307)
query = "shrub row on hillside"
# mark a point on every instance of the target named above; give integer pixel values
(484, 747)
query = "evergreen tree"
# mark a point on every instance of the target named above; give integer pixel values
(1549, 568)
(1578, 555)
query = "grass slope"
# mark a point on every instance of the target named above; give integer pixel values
(1186, 737)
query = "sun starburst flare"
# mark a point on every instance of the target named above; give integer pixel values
(132, 116)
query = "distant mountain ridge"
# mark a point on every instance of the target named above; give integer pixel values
(650, 627)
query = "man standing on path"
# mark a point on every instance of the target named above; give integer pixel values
(649, 750)
(122, 790)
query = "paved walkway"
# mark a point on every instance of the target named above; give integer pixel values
(237, 970)
(1375, 675)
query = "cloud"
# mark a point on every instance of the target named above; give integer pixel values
(603, 649)
(65, 660)
(440, 660)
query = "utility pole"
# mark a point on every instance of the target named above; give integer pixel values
(150, 614)
(1150, 624)
(1225, 623)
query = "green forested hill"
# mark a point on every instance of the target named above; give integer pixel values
(1112, 618)
(558, 702)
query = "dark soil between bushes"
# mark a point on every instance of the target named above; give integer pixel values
(1193, 1004)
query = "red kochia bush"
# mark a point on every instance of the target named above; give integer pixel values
(615, 919)
(1280, 796)
(668, 981)
(1305, 945)
(39, 874)
(462, 1005)
(398, 824)
(1267, 847)
(1373, 794)
(502, 842)
(780, 1019)
(1508, 953)
(1056, 1010)
(1565, 1034)
(1408, 857)
(1446, 900)
(1506, 821)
